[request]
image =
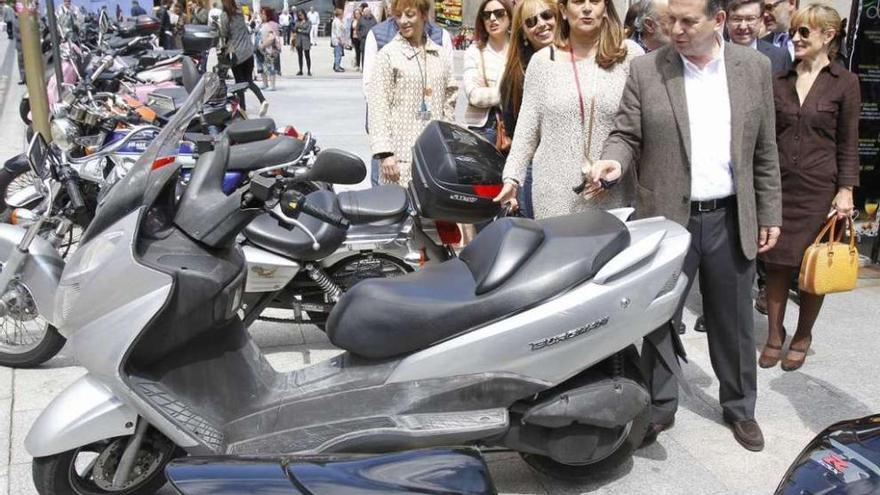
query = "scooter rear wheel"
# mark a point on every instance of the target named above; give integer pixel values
(602, 469)
(89, 470)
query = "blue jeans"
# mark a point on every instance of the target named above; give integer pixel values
(525, 196)
(338, 51)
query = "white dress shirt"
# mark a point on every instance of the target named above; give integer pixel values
(708, 102)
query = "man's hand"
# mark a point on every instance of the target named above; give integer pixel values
(610, 170)
(767, 237)
(507, 196)
(390, 169)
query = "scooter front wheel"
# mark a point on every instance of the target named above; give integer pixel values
(90, 470)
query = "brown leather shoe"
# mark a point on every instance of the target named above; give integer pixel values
(654, 429)
(761, 301)
(748, 434)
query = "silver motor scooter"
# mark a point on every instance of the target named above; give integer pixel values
(523, 342)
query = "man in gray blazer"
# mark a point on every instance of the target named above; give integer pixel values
(696, 120)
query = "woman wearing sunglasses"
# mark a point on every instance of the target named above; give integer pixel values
(411, 84)
(534, 27)
(483, 65)
(817, 121)
(571, 96)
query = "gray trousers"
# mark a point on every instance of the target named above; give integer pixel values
(726, 278)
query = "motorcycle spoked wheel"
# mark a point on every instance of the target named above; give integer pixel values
(89, 470)
(11, 183)
(603, 467)
(353, 269)
(26, 338)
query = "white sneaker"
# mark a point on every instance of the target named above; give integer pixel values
(264, 108)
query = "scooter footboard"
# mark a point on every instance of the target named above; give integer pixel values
(41, 272)
(86, 412)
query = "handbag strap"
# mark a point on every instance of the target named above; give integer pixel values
(834, 236)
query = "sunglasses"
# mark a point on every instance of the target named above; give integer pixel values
(532, 21)
(804, 31)
(498, 13)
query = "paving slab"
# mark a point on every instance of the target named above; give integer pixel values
(35, 388)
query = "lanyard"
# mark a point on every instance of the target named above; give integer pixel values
(577, 82)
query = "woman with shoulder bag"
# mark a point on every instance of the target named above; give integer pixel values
(302, 41)
(483, 66)
(817, 130)
(240, 51)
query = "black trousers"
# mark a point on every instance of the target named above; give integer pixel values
(726, 278)
(9, 29)
(299, 58)
(244, 72)
(358, 56)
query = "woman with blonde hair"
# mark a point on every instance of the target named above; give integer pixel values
(411, 84)
(571, 95)
(817, 130)
(533, 27)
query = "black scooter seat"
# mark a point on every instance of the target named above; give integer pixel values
(512, 265)
(247, 131)
(265, 232)
(265, 153)
(383, 203)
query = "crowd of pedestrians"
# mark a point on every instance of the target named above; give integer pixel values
(734, 119)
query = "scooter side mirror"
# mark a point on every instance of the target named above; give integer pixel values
(337, 167)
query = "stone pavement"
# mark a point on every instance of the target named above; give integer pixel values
(698, 456)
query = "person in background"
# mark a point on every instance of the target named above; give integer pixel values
(136, 9)
(629, 21)
(650, 25)
(119, 16)
(534, 26)
(585, 72)
(239, 48)
(165, 26)
(66, 17)
(284, 21)
(9, 19)
(337, 40)
(270, 46)
(302, 40)
(413, 84)
(743, 23)
(315, 20)
(355, 36)
(199, 12)
(377, 38)
(777, 18)
(365, 24)
(484, 65)
(817, 130)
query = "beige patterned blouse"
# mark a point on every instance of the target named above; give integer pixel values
(402, 75)
(549, 134)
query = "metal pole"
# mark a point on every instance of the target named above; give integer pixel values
(56, 46)
(34, 74)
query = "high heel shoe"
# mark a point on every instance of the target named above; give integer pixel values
(771, 354)
(795, 358)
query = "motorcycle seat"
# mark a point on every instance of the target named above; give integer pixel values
(512, 265)
(247, 131)
(265, 232)
(259, 154)
(376, 204)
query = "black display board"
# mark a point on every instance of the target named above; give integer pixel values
(864, 60)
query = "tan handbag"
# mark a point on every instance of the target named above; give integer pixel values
(502, 140)
(830, 266)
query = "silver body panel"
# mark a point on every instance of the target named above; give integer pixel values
(41, 271)
(267, 272)
(504, 346)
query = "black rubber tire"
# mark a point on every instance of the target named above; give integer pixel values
(24, 110)
(51, 477)
(47, 349)
(600, 471)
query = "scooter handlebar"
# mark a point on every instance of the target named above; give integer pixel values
(325, 216)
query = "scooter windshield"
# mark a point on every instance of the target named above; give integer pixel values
(155, 167)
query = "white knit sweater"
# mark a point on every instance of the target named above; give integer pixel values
(482, 93)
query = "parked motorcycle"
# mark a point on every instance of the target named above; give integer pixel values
(447, 471)
(844, 459)
(524, 341)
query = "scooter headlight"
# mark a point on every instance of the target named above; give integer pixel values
(64, 133)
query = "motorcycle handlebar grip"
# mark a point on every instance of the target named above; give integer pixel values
(73, 192)
(320, 214)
